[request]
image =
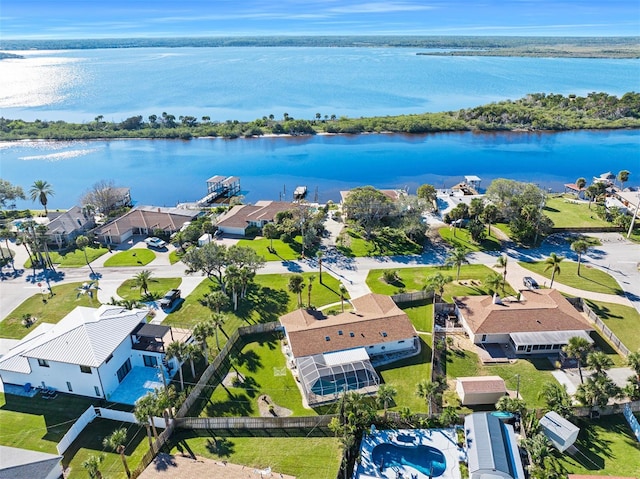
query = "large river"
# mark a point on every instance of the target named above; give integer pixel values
(247, 83)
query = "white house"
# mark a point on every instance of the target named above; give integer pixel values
(480, 389)
(332, 354)
(16, 463)
(559, 431)
(89, 352)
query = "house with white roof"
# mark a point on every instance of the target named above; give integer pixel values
(334, 354)
(561, 432)
(90, 352)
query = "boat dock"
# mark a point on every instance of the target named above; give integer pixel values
(220, 187)
(300, 192)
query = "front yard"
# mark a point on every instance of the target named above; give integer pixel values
(283, 251)
(386, 242)
(157, 288)
(462, 239)
(131, 257)
(75, 258)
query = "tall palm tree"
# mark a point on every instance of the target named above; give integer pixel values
(191, 353)
(92, 465)
(457, 258)
(501, 262)
(580, 183)
(592, 192)
(6, 235)
(116, 441)
(489, 215)
(553, 263)
(384, 397)
(597, 391)
(623, 177)
(319, 255)
(343, 293)
(145, 409)
(312, 278)
(577, 348)
(580, 247)
(177, 350)
(216, 300)
(82, 242)
(495, 281)
(41, 191)
(427, 390)
(599, 362)
(437, 282)
(142, 280)
(296, 286)
(201, 332)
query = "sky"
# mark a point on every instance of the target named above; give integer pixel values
(60, 19)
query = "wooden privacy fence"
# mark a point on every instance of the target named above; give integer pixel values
(409, 297)
(261, 424)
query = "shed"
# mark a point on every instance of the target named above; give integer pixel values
(559, 431)
(480, 390)
(204, 239)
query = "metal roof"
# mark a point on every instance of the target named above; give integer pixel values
(346, 356)
(558, 430)
(547, 337)
(24, 464)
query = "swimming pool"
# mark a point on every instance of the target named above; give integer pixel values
(425, 459)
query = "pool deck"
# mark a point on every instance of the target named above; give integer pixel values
(444, 440)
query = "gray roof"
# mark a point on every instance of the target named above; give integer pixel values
(86, 336)
(491, 445)
(548, 337)
(24, 464)
(558, 430)
(68, 222)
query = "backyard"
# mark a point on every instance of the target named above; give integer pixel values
(567, 212)
(624, 321)
(385, 242)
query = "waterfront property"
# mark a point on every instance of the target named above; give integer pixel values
(220, 188)
(144, 220)
(409, 453)
(480, 390)
(90, 352)
(332, 354)
(537, 322)
(491, 448)
(64, 228)
(240, 217)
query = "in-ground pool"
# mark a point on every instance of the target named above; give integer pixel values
(425, 459)
(503, 414)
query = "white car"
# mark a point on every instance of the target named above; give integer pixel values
(154, 242)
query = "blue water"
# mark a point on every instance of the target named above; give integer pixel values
(503, 414)
(248, 83)
(165, 172)
(425, 459)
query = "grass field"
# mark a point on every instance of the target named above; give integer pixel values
(304, 458)
(608, 448)
(421, 314)
(132, 257)
(38, 425)
(383, 243)
(284, 251)
(75, 258)
(157, 288)
(590, 279)
(565, 212)
(624, 321)
(462, 239)
(65, 299)
(413, 279)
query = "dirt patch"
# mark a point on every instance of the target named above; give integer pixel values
(268, 408)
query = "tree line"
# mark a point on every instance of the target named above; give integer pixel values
(535, 112)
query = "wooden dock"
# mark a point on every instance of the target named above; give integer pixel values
(220, 187)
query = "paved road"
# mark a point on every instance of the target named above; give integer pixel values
(616, 256)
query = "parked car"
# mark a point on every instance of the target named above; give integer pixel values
(155, 242)
(169, 299)
(530, 283)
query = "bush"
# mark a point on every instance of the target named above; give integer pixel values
(390, 276)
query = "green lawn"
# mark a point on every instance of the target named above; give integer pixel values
(73, 259)
(132, 257)
(421, 314)
(462, 239)
(304, 458)
(590, 279)
(624, 321)
(413, 279)
(284, 251)
(65, 299)
(533, 373)
(157, 288)
(383, 243)
(405, 374)
(608, 448)
(38, 424)
(504, 227)
(263, 366)
(174, 257)
(565, 212)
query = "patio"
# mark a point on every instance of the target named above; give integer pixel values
(139, 381)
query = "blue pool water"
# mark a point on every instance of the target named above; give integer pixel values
(425, 459)
(503, 414)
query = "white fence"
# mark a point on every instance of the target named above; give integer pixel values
(90, 414)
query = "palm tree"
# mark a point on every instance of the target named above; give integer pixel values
(116, 441)
(41, 190)
(319, 255)
(312, 278)
(592, 193)
(427, 390)
(216, 300)
(501, 262)
(271, 232)
(553, 263)
(201, 332)
(577, 348)
(92, 465)
(580, 183)
(495, 281)
(82, 242)
(437, 282)
(384, 397)
(623, 177)
(146, 408)
(6, 235)
(457, 258)
(191, 353)
(513, 405)
(489, 215)
(599, 362)
(177, 350)
(633, 360)
(142, 280)
(580, 247)
(557, 398)
(343, 293)
(296, 286)
(597, 391)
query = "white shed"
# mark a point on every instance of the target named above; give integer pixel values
(559, 431)
(480, 390)
(205, 239)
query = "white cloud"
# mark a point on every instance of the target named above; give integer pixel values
(380, 7)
